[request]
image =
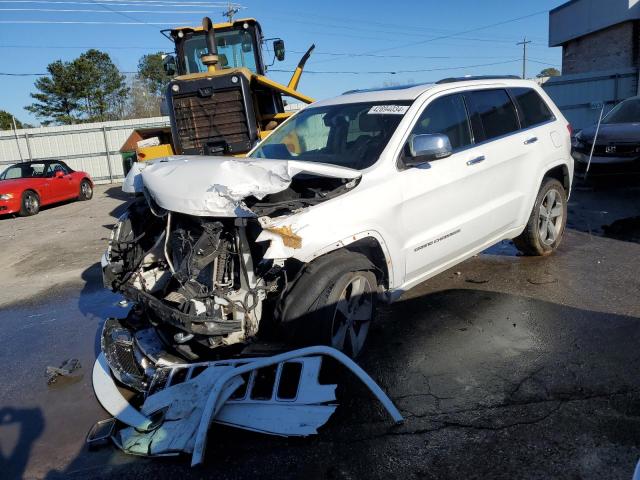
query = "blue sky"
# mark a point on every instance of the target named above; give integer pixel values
(395, 36)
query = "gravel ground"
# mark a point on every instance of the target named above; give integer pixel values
(55, 247)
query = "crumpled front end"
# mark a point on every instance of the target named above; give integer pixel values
(192, 250)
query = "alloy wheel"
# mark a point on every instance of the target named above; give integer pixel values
(31, 203)
(352, 316)
(85, 189)
(551, 217)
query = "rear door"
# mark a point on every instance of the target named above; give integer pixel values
(505, 167)
(541, 139)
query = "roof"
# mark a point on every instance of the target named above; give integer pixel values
(409, 93)
(577, 18)
(216, 26)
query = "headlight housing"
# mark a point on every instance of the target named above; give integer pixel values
(6, 196)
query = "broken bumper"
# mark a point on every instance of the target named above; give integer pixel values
(277, 395)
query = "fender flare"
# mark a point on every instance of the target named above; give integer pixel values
(346, 241)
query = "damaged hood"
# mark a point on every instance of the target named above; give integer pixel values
(217, 186)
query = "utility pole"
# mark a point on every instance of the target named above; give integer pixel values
(524, 43)
(232, 9)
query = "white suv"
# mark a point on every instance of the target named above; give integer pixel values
(353, 199)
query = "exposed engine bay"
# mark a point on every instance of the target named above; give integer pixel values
(203, 281)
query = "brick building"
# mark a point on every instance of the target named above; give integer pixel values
(596, 35)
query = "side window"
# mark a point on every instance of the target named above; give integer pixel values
(494, 114)
(533, 110)
(446, 115)
(55, 167)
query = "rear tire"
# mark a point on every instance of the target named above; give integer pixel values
(86, 190)
(547, 222)
(30, 203)
(332, 302)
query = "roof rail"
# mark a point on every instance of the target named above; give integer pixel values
(382, 89)
(477, 77)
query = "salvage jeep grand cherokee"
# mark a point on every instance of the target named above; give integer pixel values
(353, 199)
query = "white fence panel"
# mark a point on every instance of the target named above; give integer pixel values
(90, 147)
(580, 97)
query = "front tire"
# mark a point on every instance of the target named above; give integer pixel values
(30, 204)
(86, 190)
(333, 302)
(545, 228)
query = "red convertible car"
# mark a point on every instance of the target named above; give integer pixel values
(25, 187)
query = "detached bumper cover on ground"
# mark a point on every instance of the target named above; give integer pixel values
(278, 395)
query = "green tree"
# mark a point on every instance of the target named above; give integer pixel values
(6, 121)
(151, 72)
(57, 100)
(100, 85)
(88, 89)
(549, 72)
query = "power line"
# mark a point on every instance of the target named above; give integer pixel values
(74, 22)
(80, 47)
(463, 32)
(334, 72)
(351, 21)
(395, 72)
(138, 3)
(69, 10)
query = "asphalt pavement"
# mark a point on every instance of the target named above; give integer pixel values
(504, 366)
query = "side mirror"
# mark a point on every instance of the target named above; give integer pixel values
(169, 65)
(278, 49)
(426, 148)
(59, 174)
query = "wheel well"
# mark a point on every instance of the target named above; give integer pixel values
(370, 247)
(560, 173)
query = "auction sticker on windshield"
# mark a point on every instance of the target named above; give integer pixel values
(388, 110)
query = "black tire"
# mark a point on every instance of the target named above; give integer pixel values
(86, 190)
(314, 309)
(544, 232)
(30, 203)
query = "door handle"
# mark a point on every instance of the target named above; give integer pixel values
(531, 140)
(476, 160)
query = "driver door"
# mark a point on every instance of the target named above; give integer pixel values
(439, 209)
(61, 185)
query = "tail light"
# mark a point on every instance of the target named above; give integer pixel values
(570, 128)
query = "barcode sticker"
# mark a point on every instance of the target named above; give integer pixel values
(388, 110)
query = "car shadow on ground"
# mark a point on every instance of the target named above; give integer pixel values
(472, 371)
(117, 193)
(29, 424)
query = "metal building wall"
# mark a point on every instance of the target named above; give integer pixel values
(580, 97)
(90, 147)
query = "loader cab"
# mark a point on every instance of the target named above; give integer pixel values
(239, 46)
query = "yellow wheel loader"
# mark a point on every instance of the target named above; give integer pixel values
(221, 102)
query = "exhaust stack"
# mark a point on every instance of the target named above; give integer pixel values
(211, 58)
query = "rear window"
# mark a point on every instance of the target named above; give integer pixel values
(493, 114)
(533, 110)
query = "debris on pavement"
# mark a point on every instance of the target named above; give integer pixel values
(64, 370)
(277, 395)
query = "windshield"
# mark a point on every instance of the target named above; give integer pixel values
(235, 49)
(350, 135)
(625, 112)
(28, 170)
